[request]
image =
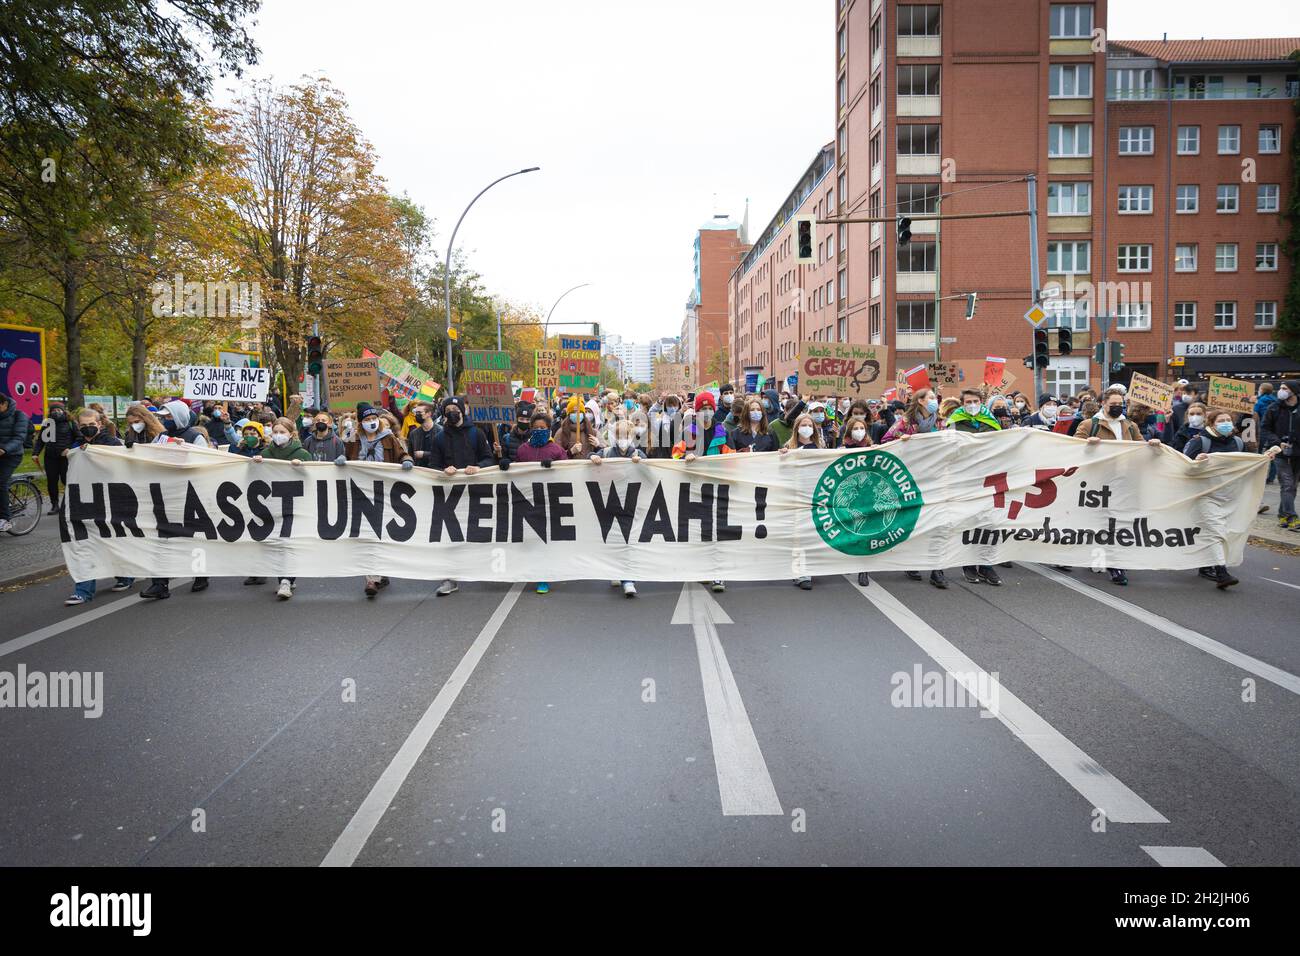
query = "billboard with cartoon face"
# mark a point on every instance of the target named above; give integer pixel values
(22, 368)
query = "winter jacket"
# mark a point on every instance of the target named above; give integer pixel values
(613, 451)
(1282, 425)
(1099, 427)
(291, 451)
(510, 440)
(324, 449)
(1184, 435)
(1264, 403)
(569, 433)
(460, 446)
(61, 435)
(548, 452)
(246, 451)
(182, 430)
(742, 439)
(13, 431)
(389, 449)
(1217, 445)
(419, 440)
(715, 443)
(102, 438)
(902, 426)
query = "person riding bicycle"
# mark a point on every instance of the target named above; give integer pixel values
(13, 435)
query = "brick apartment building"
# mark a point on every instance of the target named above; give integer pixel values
(1161, 171)
(719, 245)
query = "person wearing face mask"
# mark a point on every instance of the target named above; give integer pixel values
(541, 448)
(212, 419)
(972, 415)
(622, 446)
(919, 418)
(50, 446)
(1281, 430)
(808, 436)
(142, 426)
(421, 440)
(778, 421)
(1193, 425)
(176, 416)
(252, 440)
(577, 435)
(375, 442)
(702, 436)
(1001, 412)
(459, 445)
(825, 424)
(665, 426)
(857, 435)
(1048, 414)
(322, 443)
(283, 446)
(511, 438)
(751, 433)
(1019, 409)
(90, 431)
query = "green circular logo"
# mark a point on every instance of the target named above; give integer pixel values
(865, 503)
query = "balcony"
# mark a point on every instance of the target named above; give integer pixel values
(914, 342)
(920, 46)
(1070, 47)
(918, 106)
(914, 165)
(1081, 106)
(915, 282)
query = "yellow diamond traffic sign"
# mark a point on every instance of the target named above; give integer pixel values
(1035, 316)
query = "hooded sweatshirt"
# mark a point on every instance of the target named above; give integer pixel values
(182, 430)
(324, 449)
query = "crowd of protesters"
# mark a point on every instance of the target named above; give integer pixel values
(637, 426)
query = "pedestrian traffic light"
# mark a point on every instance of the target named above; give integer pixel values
(1041, 349)
(315, 355)
(905, 231)
(804, 239)
(1116, 356)
(1064, 340)
(970, 305)
(1028, 361)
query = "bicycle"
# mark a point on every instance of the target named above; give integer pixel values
(26, 505)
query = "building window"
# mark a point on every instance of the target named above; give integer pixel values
(874, 258)
(1135, 199)
(1266, 199)
(844, 141)
(1270, 139)
(915, 318)
(1066, 375)
(918, 20)
(1189, 140)
(844, 284)
(830, 246)
(1137, 140)
(1133, 317)
(1184, 316)
(916, 257)
(1266, 257)
(1229, 140)
(1226, 198)
(918, 81)
(1068, 258)
(1185, 257)
(842, 90)
(1068, 140)
(1067, 313)
(1225, 257)
(1198, 86)
(1069, 80)
(844, 186)
(1071, 21)
(843, 41)
(875, 330)
(1188, 199)
(1131, 84)
(843, 234)
(874, 151)
(875, 41)
(1069, 199)
(1225, 315)
(917, 198)
(830, 291)
(1134, 258)
(842, 330)
(875, 94)
(1265, 315)
(918, 139)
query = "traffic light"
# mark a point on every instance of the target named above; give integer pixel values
(1064, 340)
(1029, 361)
(1041, 349)
(970, 305)
(1099, 353)
(315, 356)
(1116, 356)
(904, 230)
(805, 238)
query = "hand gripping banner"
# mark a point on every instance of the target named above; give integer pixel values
(937, 501)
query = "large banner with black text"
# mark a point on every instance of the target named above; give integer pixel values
(936, 501)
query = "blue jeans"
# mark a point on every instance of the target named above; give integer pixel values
(86, 589)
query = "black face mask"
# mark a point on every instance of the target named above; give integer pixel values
(1114, 411)
(419, 416)
(58, 414)
(322, 427)
(452, 417)
(89, 431)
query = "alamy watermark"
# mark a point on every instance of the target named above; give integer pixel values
(922, 688)
(210, 300)
(78, 690)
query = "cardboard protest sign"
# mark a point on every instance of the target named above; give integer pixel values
(993, 369)
(672, 378)
(546, 368)
(1233, 394)
(224, 383)
(351, 380)
(1154, 394)
(403, 380)
(972, 375)
(843, 368)
(488, 395)
(938, 375)
(917, 378)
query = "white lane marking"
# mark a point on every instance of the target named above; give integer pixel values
(1283, 583)
(85, 617)
(1098, 786)
(1182, 856)
(744, 783)
(1209, 645)
(353, 839)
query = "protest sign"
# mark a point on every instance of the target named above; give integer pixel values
(351, 380)
(993, 369)
(940, 500)
(917, 378)
(488, 395)
(672, 378)
(1232, 394)
(226, 383)
(404, 381)
(1154, 394)
(578, 363)
(843, 368)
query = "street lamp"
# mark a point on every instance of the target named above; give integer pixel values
(451, 368)
(547, 323)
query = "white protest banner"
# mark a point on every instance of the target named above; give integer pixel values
(225, 383)
(937, 501)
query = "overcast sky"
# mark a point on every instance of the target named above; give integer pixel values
(646, 118)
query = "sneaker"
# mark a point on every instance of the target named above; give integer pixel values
(543, 587)
(914, 575)
(76, 599)
(121, 586)
(285, 590)
(371, 589)
(629, 589)
(990, 576)
(1210, 574)
(1283, 521)
(156, 592)
(1118, 577)
(5, 525)
(254, 580)
(54, 509)
(1063, 568)
(1293, 524)
(615, 584)
(717, 587)
(938, 580)
(804, 583)
(200, 584)
(971, 573)
(1226, 580)
(864, 579)
(447, 587)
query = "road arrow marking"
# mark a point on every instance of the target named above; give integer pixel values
(744, 784)
(1182, 856)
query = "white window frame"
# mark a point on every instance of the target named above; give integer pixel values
(1070, 16)
(1080, 248)
(1277, 138)
(1145, 137)
(1195, 197)
(1274, 190)
(1224, 253)
(1056, 140)
(1066, 374)
(1133, 257)
(1220, 309)
(1138, 202)
(1132, 84)
(1180, 321)
(1189, 136)
(1268, 252)
(1185, 256)
(1078, 86)
(1272, 320)
(1224, 192)
(1232, 134)
(1133, 317)
(1070, 199)
(1067, 313)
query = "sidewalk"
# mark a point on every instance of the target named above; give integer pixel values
(1265, 525)
(32, 554)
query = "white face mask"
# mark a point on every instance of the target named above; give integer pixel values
(1048, 412)
(1196, 421)
(280, 438)
(859, 434)
(755, 416)
(1020, 406)
(1284, 394)
(623, 443)
(370, 425)
(972, 408)
(805, 432)
(137, 427)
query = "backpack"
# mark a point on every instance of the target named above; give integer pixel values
(1205, 443)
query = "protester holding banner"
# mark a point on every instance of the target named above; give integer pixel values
(971, 414)
(421, 440)
(141, 426)
(90, 431)
(1281, 430)
(622, 445)
(1193, 425)
(664, 427)
(53, 439)
(322, 442)
(252, 439)
(920, 417)
(175, 418)
(1049, 412)
(510, 439)
(376, 441)
(751, 433)
(702, 436)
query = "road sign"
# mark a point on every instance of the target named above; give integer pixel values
(1035, 316)
(1177, 361)
(1103, 323)
(945, 340)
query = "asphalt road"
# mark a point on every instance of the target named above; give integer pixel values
(759, 726)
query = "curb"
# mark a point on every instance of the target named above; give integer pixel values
(1287, 546)
(27, 577)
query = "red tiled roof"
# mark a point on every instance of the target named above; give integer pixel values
(1268, 48)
